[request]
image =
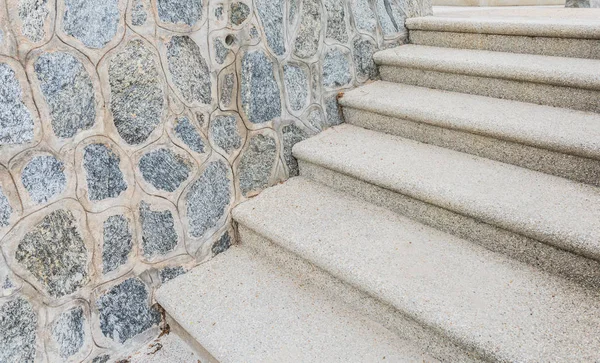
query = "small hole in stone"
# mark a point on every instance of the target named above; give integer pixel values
(229, 40)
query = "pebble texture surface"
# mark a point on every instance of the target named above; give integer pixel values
(130, 129)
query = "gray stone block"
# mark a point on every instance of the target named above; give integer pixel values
(296, 84)
(93, 22)
(238, 13)
(164, 169)
(189, 69)
(256, 164)
(138, 13)
(336, 20)
(6, 209)
(260, 91)
(336, 69)
(43, 178)
(292, 135)
(33, 14)
(271, 15)
(187, 12)
(159, 236)
(68, 332)
(18, 324)
(117, 242)
(16, 122)
(187, 133)
(222, 244)
(308, 33)
(169, 273)
(103, 174)
(225, 134)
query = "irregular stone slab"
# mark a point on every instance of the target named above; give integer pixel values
(101, 359)
(225, 134)
(124, 311)
(169, 273)
(256, 165)
(93, 22)
(315, 118)
(164, 169)
(364, 17)
(6, 210)
(43, 178)
(208, 198)
(296, 84)
(137, 98)
(336, 20)
(390, 17)
(9, 284)
(54, 252)
(271, 14)
(309, 30)
(260, 91)
(363, 58)
(336, 69)
(68, 332)
(221, 52)
(138, 13)
(582, 4)
(16, 122)
(18, 325)
(293, 11)
(238, 13)
(189, 69)
(227, 89)
(292, 135)
(68, 91)
(117, 243)
(187, 133)
(103, 175)
(333, 112)
(187, 12)
(222, 244)
(33, 15)
(158, 231)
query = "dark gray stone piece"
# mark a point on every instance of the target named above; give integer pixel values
(225, 134)
(138, 13)
(93, 22)
(363, 58)
(18, 324)
(180, 11)
(292, 135)
(54, 253)
(222, 244)
(137, 98)
(309, 31)
(164, 169)
(239, 12)
(315, 118)
(257, 163)
(261, 99)
(296, 85)
(43, 178)
(271, 15)
(208, 198)
(227, 89)
(187, 133)
(391, 18)
(333, 112)
(582, 4)
(68, 91)
(364, 17)
(293, 11)
(16, 123)
(124, 311)
(158, 231)
(336, 69)
(189, 69)
(6, 209)
(101, 359)
(33, 15)
(336, 20)
(117, 242)
(68, 332)
(103, 175)
(169, 273)
(221, 52)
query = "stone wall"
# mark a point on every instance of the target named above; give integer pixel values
(582, 4)
(128, 131)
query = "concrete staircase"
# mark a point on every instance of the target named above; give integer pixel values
(455, 217)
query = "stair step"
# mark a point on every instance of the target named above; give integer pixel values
(241, 308)
(544, 220)
(557, 141)
(554, 32)
(493, 306)
(554, 81)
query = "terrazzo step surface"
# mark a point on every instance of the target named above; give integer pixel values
(557, 141)
(495, 307)
(554, 81)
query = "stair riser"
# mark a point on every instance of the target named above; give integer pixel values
(560, 47)
(545, 94)
(517, 246)
(393, 319)
(576, 168)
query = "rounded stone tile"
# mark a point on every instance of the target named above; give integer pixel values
(69, 336)
(337, 68)
(314, 117)
(271, 15)
(181, 15)
(364, 17)
(185, 132)
(228, 85)
(309, 31)
(11, 209)
(32, 22)
(363, 49)
(8, 42)
(239, 12)
(21, 322)
(10, 283)
(296, 78)
(291, 134)
(391, 19)
(337, 27)
(256, 166)
(227, 133)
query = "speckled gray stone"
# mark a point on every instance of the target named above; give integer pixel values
(43, 178)
(309, 30)
(363, 58)
(158, 231)
(117, 242)
(103, 175)
(189, 69)
(256, 165)
(208, 198)
(221, 52)
(68, 91)
(169, 273)
(227, 89)
(336, 20)
(18, 324)
(292, 135)
(6, 209)
(16, 123)
(180, 11)
(296, 85)
(164, 169)
(315, 118)
(333, 112)
(68, 332)
(33, 15)
(292, 11)
(93, 22)
(239, 13)
(53, 251)
(124, 311)
(582, 4)
(261, 99)
(101, 359)
(137, 98)
(187, 133)
(336, 69)
(364, 17)
(138, 13)
(225, 134)
(390, 17)
(271, 15)
(222, 244)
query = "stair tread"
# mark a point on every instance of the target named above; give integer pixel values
(544, 207)
(241, 308)
(559, 71)
(558, 129)
(508, 310)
